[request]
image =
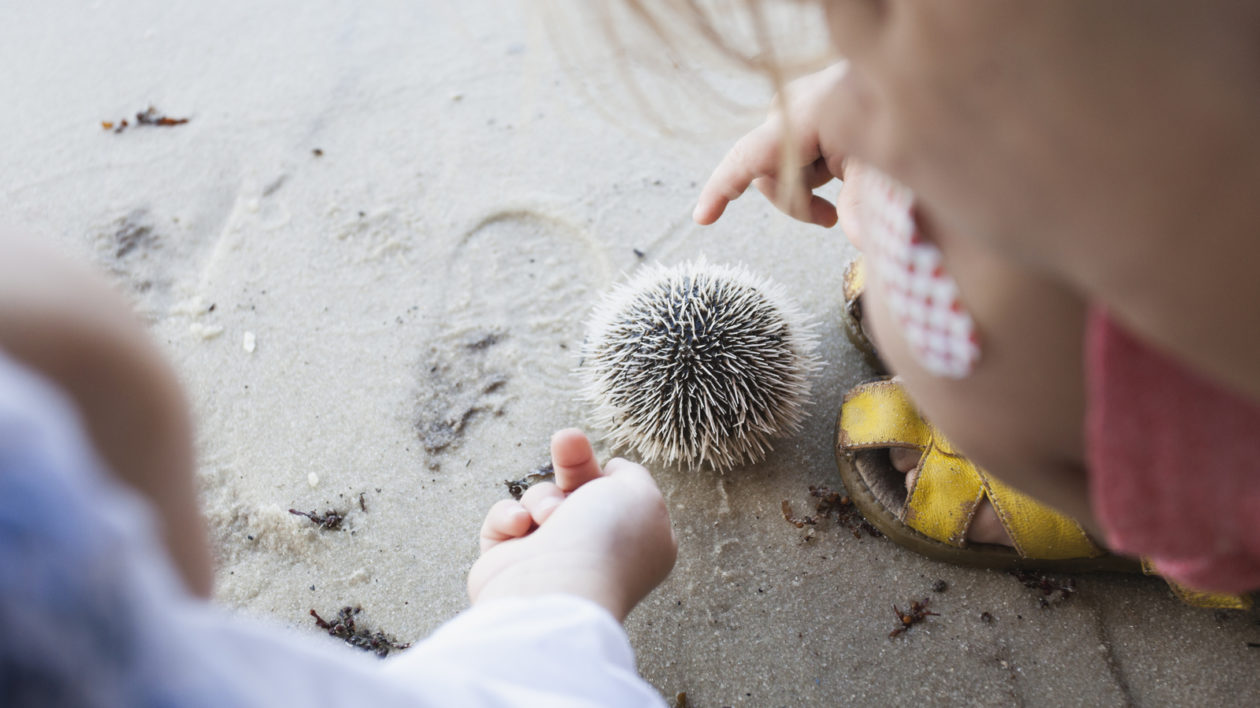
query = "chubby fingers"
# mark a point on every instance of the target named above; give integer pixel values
(575, 465)
(509, 519)
(506, 520)
(628, 471)
(540, 500)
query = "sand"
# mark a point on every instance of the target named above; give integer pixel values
(369, 254)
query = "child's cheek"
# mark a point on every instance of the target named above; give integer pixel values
(853, 25)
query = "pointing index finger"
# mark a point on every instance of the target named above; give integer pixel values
(754, 155)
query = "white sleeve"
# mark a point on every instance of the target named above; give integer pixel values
(555, 651)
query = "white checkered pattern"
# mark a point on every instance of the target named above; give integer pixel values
(921, 296)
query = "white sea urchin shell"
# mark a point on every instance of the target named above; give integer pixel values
(697, 363)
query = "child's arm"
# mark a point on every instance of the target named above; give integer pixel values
(68, 326)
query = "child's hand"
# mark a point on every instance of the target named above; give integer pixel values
(758, 158)
(603, 535)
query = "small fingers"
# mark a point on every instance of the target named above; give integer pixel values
(756, 154)
(506, 520)
(541, 500)
(801, 204)
(631, 472)
(573, 459)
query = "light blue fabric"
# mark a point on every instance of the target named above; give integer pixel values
(75, 600)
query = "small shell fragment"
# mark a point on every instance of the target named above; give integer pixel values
(249, 343)
(202, 331)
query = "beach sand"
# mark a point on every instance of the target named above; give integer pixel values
(369, 254)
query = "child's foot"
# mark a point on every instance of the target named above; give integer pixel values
(603, 535)
(985, 526)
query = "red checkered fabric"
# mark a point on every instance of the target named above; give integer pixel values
(920, 295)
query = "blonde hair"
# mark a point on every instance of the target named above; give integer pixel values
(649, 40)
(689, 42)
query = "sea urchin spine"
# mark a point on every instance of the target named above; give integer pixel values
(697, 363)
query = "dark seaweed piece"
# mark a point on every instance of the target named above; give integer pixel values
(832, 503)
(847, 515)
(150, 116)
(345, 629)
(329, 520)
(517, 487)
(1052, 591)
(918, 612)
(799, 523)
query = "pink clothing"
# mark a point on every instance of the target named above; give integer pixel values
(1174, 463)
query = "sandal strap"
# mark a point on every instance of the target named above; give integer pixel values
(879, 414)
(1036, 530)
(949, 488)
(944, 498)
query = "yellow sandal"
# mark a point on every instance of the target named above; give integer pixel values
(933, 517)
(854, 287)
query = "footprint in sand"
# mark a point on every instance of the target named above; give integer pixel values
(136, 248)
(516, 290)
(157, 252)
(525, 274)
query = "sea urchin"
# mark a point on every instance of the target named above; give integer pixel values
(697, 362)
